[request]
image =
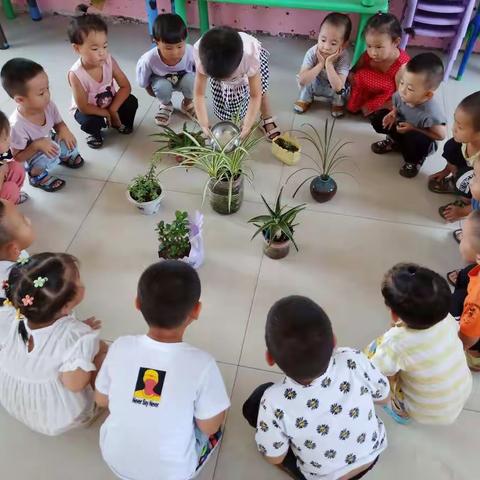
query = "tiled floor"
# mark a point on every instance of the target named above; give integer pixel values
(377, 219)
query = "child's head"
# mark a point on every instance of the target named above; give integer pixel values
(422, 76)
(382, 36)
(416, 295)
(168, 295)
(26, 82)
(334, 33)
(88, 35)
(170, 35)
(16, 232)
(221, 51)
(45, 287)
(4, 133)
(299, 338)
(466, 125)
(470, 243)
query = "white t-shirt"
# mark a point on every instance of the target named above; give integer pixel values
(30, 386)
(155, 391)
(330, 424)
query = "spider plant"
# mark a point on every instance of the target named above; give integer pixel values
(328, 152)
(171, 140)
(278, 225)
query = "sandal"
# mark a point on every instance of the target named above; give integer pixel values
(124, 130)
(301, 107)
(52, 184)
(164, 114)
(72, 162)
(383, 146)
(445, 185)
(409, 170)
(456, 203)
(94, 141)
(458, 235)
(271, 133)
(23, 197)
(452, 277)
(398, 418)
(188, 110)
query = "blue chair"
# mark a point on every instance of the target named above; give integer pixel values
(472, 35)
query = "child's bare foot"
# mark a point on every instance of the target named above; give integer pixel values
(455, 211)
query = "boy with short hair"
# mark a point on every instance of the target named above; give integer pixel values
(167, 399)
(417, 119)
(32, 123)
(320, 421)
(12, 174)
(169, 67)
(326, 66)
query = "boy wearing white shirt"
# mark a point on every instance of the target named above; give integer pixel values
(167, 399)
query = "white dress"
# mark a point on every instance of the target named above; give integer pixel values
(30, 386)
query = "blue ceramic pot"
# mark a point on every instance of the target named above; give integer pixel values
(323, 188)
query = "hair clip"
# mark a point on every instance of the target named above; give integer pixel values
(23, 260)
(7, 303)
(27, 300)
(40, 282)
(5, 285)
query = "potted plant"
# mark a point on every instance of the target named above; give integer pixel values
(171, 140)
(328, 156)
(277, 227)
(286, 148)
(226, 170)
(181, 239)
(146, 192)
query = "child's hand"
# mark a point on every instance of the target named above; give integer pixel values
(389, 119)
(67, 136)
(439, 176)
(244, 132)
(93, 323)
(453, 213)
(320, 59)
(115, 119)
(404, 127)
(46, 146)
(334, 57)
(4, 171)
(107, 117)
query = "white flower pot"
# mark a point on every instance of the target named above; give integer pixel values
(147, 208)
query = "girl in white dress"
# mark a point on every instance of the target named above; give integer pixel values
(48, 358)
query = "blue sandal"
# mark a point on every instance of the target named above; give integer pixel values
(71, 162)
(398, 418)
(48, 186)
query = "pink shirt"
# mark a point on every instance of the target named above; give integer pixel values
(249, 65)
(100, 93)
(24, 132)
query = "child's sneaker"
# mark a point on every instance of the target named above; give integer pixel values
(95, 141)
(301, 107)
(409, 170)
(383, 146)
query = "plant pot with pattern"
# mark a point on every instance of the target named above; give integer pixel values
(146, 192)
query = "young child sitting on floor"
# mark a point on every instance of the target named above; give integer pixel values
(169, 67)
(94, 78)
(375, 76)
(32, 123)
(470, 316)
(417, 119)
(326, 66)
(48, 357)
(12, 173)
(421, 353)
(461, 152)
(166, 398)
(237, 65)
(320, 420)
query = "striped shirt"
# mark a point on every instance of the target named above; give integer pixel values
(432, 370)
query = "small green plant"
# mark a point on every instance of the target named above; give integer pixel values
(172, 140)
(145, 188)
(329, 151)
(173, 237)
(279, 224)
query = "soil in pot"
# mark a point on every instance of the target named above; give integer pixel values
(286, 145)
(161, 254)
(218, 194)
(323, 188)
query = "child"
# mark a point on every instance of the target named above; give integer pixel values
(320, 420)
(237, 65)
(376, 74)
(94, 78)
(470, 316)
(326, 65)
(421, 353)
(461, 152)
(12, 174)
(417, 119)
(48, 357)
(169, 67)
(32, 123)
(165, 397)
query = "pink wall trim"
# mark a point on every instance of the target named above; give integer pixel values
(273, 21)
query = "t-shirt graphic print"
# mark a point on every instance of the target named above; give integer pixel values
(148, 389)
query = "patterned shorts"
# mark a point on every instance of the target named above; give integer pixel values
(230, 102)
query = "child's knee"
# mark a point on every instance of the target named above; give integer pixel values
(10, 191)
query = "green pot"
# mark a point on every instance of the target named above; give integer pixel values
(323, 188)
(218, 195)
